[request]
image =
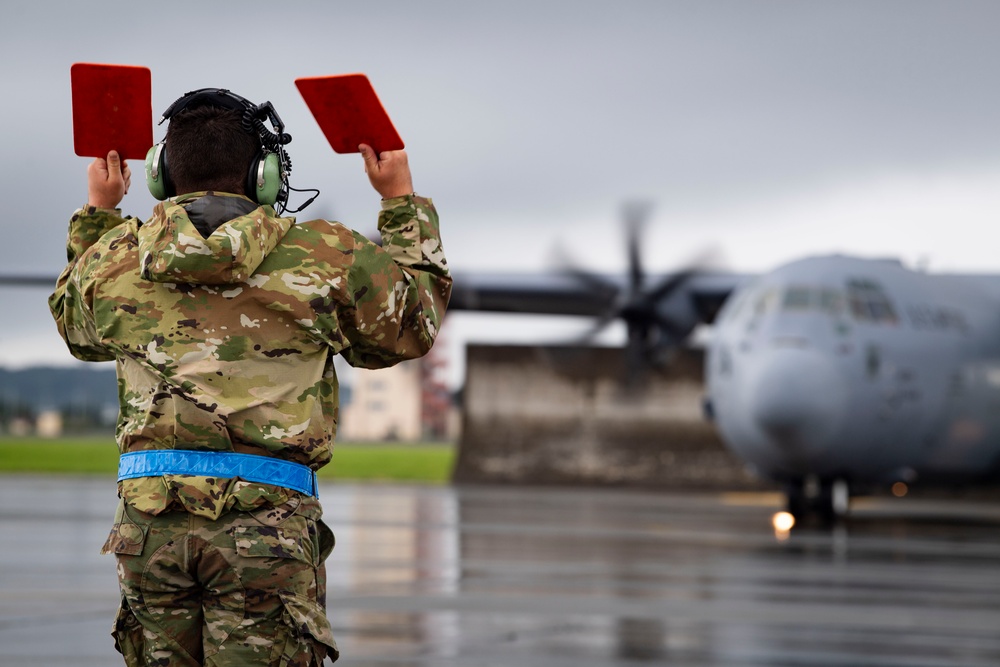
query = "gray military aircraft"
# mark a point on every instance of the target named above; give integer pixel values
(828, 375)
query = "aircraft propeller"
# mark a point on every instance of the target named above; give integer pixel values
(653, 330)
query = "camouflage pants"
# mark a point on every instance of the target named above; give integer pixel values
(246, 589)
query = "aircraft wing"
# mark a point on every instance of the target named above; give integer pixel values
(11, 280)
(537, 294)
(590, 295)
(585, 295)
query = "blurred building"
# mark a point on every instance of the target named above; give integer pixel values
(407, 402)
(385, 405)
(49, 424)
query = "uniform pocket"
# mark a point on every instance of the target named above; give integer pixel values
(127, 633)
(306, 637)
(270, 542)
(126, 537)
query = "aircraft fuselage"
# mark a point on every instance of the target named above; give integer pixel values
(860, 370)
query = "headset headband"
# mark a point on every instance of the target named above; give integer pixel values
(208, 97)
(253, 115)
(252, 120)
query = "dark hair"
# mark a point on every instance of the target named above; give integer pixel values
(208, 149)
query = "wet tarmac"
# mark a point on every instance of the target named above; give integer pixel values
(499, 576)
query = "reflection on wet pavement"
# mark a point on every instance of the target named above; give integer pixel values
(480, 576)
(504, 576)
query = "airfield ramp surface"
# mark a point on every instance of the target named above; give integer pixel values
(500, 576)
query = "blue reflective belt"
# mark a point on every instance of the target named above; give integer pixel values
(262, 469)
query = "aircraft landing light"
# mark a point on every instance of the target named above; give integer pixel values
(782, 522)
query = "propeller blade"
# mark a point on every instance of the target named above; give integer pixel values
(696, 265)
(636, 277)
(669, 284)
(596, 283)
(636, 358)
(600, 325)
(635, 215)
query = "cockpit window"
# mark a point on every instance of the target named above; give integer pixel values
(802, 298)
(868, 303)
(796, 298)
(759, 301)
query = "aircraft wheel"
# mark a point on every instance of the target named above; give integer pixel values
(796, 502)
(824, 500)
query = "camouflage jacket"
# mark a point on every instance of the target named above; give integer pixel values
(224, 320)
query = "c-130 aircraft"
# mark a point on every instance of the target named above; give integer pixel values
(828, 375)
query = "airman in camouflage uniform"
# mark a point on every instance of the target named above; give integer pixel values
(223, 319)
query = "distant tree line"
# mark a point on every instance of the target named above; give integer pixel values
(84, 398)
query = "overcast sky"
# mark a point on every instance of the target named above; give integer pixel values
(769, 129)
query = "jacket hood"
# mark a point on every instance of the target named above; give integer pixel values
(208, 239)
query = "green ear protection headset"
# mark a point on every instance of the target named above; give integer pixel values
(267, 177)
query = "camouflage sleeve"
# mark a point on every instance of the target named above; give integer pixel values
(68, 305)
(399, 292)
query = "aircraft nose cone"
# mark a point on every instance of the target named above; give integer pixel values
(799, 403)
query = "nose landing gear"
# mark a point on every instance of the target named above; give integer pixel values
(824, 499)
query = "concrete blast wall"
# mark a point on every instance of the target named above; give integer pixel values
(534, 415)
